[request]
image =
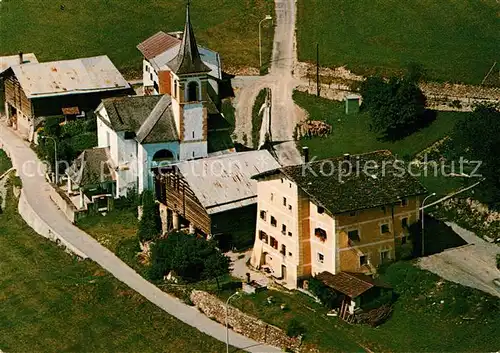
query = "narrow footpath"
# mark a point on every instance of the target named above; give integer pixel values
(36, 193)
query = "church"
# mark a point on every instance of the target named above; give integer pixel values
(137, 135)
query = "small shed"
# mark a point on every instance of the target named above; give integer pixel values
(352, 103)
(354, 289)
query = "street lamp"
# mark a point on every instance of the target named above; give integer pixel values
(423, 245)
(227, 326)
(55, 157)
(268, 17)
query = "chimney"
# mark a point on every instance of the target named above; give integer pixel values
(21, 57)
(305, 151)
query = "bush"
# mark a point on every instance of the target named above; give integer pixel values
(324, 293)
(396, 107)
(150, 224)
(190, 257)
(129, 202)
(295, 328)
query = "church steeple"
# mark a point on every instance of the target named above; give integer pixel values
(188, 60)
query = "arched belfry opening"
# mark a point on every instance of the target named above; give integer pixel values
(192, 91)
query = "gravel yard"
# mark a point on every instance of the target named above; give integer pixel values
(471, 265)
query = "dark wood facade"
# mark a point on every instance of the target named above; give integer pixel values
(15, 96)
(231, 228)
(173, 191)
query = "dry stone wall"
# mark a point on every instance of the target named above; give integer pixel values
(336, 83)
(242, 323)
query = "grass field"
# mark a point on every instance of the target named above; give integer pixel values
(351, 134)
(112, 27)
(5, 163)
(455, 40)
(50, 302)
(467, 320)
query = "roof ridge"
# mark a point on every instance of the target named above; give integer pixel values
(153, 118)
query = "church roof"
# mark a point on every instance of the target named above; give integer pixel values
(188, 59)
(149, 117)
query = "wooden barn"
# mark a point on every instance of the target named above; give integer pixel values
(35, 90)
(213, 196)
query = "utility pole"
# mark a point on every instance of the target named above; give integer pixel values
(317, 69)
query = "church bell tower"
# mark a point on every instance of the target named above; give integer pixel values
(189, 95)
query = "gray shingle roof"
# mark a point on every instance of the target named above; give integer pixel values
(149, 117)
(92, 167)
(338, 192)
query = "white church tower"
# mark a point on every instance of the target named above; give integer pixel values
(189, 96)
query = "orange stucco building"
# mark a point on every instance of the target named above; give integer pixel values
(334, 215)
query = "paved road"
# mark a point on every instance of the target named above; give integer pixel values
(471, 265)
(36, 189)
(284, 113)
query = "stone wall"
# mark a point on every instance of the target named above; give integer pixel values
(242, 323)
(64, 203)
(336, 83)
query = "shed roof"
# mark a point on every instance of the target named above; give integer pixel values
(375, 180)
(224, 182)
(85, 75)
(12, 60)
(149, 117)
(92, 167)
(350, 284)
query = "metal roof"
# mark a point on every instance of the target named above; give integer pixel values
(157, 44)
(12, 60)
(85, 75)
(225, 182)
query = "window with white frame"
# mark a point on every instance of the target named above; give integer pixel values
(385, 255)
(384, 228)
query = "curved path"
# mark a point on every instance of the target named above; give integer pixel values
(36, 192)
(285, 114)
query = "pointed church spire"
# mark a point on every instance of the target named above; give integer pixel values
(188, 59)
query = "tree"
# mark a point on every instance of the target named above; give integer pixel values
(150, 222)
(192, 258)
(477, 139)
(396, 106)
(216, 265)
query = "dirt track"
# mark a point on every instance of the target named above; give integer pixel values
(471, 265)
(284, 113)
